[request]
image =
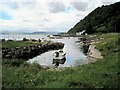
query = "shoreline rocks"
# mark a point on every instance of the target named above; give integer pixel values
(84, 45)
(29, 51)
(89, 49)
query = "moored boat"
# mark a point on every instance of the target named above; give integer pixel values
(59, 57)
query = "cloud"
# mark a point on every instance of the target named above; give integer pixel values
(17, 5)
(106, 2)
(56, 7)
(82, 6)
(44, 15)
(12, 5)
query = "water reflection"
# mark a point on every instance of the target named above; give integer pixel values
(74, 55)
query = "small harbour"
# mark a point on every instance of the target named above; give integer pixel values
(74, 55)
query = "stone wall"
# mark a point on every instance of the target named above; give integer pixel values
(29, 51)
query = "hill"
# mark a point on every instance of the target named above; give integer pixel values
(103, 19)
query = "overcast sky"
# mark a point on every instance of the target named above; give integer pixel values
(45, 15)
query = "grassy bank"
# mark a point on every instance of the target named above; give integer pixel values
(101, 74)
(13, 44)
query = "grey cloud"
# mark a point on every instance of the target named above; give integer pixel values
(80, 15)
(107, 3)
(82, 6)
(12, 5)
(45, 19)
(16, 5)
(56, 7)
(28, 4)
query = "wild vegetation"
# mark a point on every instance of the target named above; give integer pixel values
(104, 73)
(103, 19)
(101, 74)
(14, 44)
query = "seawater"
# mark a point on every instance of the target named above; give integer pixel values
(74, 55)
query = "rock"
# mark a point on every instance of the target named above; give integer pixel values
(3, 40)
(24, 39)
(39, 40)
(8, 56)
(85, 48)
(9, 40)
(29, 51)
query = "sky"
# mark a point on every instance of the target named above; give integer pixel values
(45, 15)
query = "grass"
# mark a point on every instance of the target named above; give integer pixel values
(101, 74)
(13, 44)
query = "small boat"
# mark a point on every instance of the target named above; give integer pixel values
(59, 57)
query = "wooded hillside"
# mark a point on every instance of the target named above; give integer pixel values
(103, 19)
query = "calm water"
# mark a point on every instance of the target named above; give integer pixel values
(21, 36)
(74, 55)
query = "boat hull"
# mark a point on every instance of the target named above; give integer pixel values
(60, 61)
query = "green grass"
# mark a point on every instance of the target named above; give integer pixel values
(101, 74)
(13, 44)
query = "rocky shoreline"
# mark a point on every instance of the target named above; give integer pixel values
(89, 48)
(29, 52)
